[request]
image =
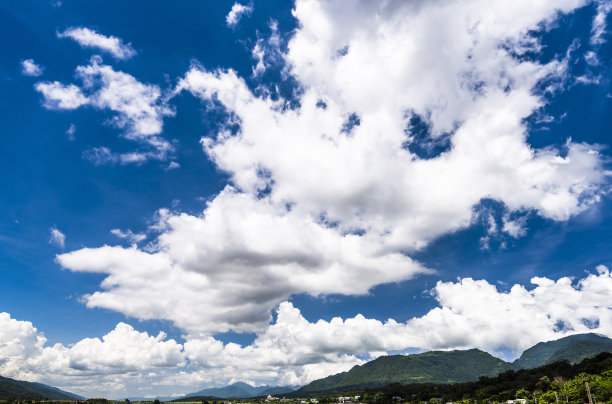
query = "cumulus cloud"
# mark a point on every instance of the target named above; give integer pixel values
(470, 313)
(57, 238)
(336, 199)
(88, 38)
(292, 350)
(124, 350)
(102, 362)
(139, 108)
(228, 268)
(238, 10)
(59, 96)
(29, 68)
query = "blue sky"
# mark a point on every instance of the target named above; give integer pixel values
(181, 178)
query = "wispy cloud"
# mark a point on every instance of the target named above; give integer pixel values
(139, 109)
(57, 238)
(129, 235)
(70, 132)
(238, 10)
(88, 38)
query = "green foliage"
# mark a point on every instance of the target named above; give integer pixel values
(574, 349)
(457, 366)
(546, 384)
(18, 389)
(522, 393)
(429, 367)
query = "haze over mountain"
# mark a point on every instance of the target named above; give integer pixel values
(241, 390)
(456, 366)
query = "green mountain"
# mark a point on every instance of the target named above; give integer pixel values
(573, 349)
(430, 367)
(11, 388)
(542, 381)
(455, 366)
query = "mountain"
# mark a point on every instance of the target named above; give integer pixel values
(507, 384)
(455, 366)
(240, 390)
(160, 398)
(574, 349)
(277, 391)
(11, 388)
(431, 367)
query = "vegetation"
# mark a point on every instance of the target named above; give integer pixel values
(541, 384)
(435, 367)
(11, 388)
(574, 349)
(453, 366)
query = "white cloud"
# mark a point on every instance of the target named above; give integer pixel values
(236, 13)
(173, 165)
(258, 54)
(267, 51)
(139, 106)
(139, 109)
(314, 209)
(19, 341)
(598, 29)
(471, 313)
(60, 96)
(70, 132)
(514, 227)
(29, 68)
(88, 366)
(125, 350)
(57, 238)
(292, 350)
(228, 268)
(88, 38)
(129, 235)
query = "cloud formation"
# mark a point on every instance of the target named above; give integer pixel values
(292, 350)
(139, 108)
(334, 195)
(30, 68)
(235, 14)
(88, 38)
(57, 238)
(26, 355)
(59, 96)
(242, 262)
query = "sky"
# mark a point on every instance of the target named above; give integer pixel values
(196, 193)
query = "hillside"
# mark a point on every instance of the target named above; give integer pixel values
(455, 366)
(433, 367)
(574, 349)
(525, 383)
(11, 388)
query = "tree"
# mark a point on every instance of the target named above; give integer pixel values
(522, 393)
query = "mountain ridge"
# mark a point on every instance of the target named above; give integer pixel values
(240, 390)
(12, 388)
(455, 366)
